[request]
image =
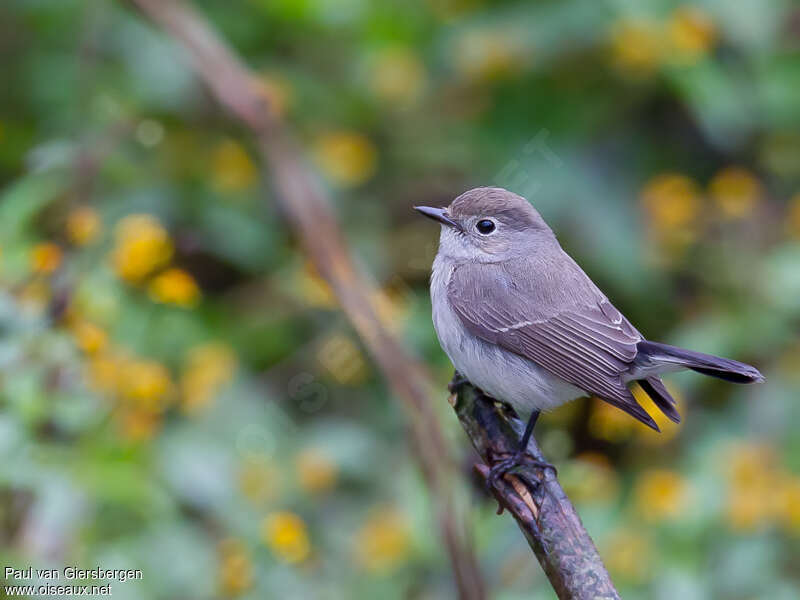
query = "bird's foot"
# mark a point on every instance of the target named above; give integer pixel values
(518, 459)
(456, 382)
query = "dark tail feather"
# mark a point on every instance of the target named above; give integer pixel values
(723, 368)
(630, 406)
(661, 397)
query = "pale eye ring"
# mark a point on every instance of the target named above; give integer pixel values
(485, 226)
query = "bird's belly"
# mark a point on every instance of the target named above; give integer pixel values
(502, 374)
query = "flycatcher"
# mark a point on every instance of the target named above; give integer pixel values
(521, 320)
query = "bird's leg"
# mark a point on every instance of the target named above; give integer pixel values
(502, 467)
(456, 382)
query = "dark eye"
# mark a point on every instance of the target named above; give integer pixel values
(485, 226)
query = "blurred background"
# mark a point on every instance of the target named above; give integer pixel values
(180, 393)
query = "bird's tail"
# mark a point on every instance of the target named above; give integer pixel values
(654, 353)
(658, 393)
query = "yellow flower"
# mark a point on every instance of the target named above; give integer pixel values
(793, 216)
(312, 288)
(750, 464)
(692, 33)
(83, 225)
(89, 337)
(736, 191)
(383, 542)
(789, 502)
(142, 245)
(104, 372)
(589, 478)
(673, 205)
(488, 54)
(747, 510)
(137, 425)
(146, 384)
(46, 257)
(347, 158)
(661, 494)
(232, 170)
(636, 47)
(208, 368)
(610, 423)
(174, 286)
(672, 200)
(751, 470)
(628, 554)
(235, 568)
(259, 480)
(286, 535)
(397, 76)
(315, 471)
(342, 359)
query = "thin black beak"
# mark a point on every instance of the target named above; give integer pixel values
(437, 214)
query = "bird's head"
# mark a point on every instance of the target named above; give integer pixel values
(489, 225)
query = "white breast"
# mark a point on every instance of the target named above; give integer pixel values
(501, 374)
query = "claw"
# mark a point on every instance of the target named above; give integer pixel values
(500, 468)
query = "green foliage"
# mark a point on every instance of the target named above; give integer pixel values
(179, 392)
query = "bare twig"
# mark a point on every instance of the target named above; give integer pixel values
(536, 500)
(308, 210)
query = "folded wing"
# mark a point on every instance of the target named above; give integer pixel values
(575, 334)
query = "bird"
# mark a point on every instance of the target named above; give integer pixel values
(521, 321)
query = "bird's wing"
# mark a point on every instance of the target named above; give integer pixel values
(555, 317)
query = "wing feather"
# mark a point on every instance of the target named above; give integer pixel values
(581, 338)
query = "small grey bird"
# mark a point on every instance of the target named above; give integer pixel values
(521, 320)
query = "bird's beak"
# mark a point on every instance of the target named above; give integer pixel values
(437, 214)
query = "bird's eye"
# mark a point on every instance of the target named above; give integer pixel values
(485, 226)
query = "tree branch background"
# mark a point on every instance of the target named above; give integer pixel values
(201, 402)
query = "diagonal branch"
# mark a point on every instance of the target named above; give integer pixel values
(307, 209)
(536, 500)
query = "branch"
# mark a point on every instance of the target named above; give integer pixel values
(536, 500)
(307, 208)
